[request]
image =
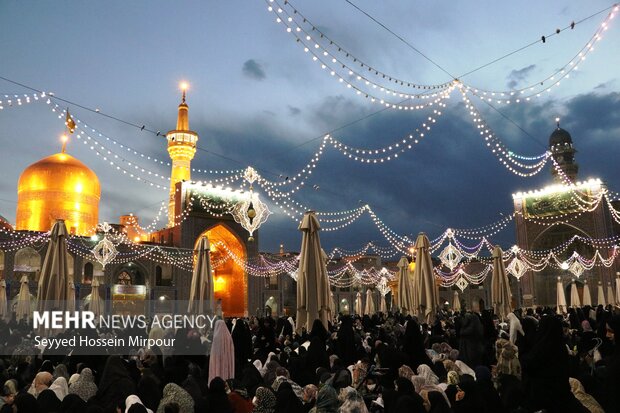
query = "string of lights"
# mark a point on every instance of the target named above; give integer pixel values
(280, 9)
(535, 89)
(14, 100)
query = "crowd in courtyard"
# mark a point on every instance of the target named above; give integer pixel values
(468, 361)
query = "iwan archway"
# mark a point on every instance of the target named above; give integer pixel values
(230, 279)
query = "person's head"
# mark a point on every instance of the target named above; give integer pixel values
(7, 395)
(282, 371)
(309, 393)
(137, 408)
(42, 381)
(172, 408)
(611, 332)
(371, 383)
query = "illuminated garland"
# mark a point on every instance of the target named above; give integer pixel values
(305, 29)
(555, 78)
(274, 5)
(21, 99)
(505, 156)
(330, 61)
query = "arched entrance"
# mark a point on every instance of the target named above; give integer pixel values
(545, 281)
(230, 279)
(130, 273)
(27, 262)
(271, 306)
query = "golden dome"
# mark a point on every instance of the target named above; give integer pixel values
(58, 187)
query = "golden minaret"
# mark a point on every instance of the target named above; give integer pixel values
(181, 148)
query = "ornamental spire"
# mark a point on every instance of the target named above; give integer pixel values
(183, 116)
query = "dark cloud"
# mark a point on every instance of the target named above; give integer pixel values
(253, 70)
(518, 75)
(293, 111)
(594, 112)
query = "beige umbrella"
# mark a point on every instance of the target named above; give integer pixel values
(23, 309)
(202, 280)
(574, 296)
(4, 313)
(359, 307)
(405, 299)
(313, 300)
(587, 298)
(617, 290)
(332, 303)
(561, 298)
(370, 303)
(96, 303)
(424, 279)
(71, 297)
(501, 298)
(601, 295)
(54, 279)
(456, 302)
(382, 304)
(610, 294)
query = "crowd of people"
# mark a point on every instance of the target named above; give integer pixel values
(468, 361)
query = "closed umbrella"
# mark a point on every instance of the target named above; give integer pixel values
(561, 298)
(23, 310)
(96, 303)
(601, 295)
(382, 304)
(574, 296)
(54, 279)
(71, 297)
(587, 298)
(359, 308)
(456, 302)
(617, 290)
(404, 298)
(332, 303)
(501, 298)
(313, 300)
(201, 288)
(370, 303)
(424, 279)
(610, 294)
(3, 302)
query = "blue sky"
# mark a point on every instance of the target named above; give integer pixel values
(255, 96)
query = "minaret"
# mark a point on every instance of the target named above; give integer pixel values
(181, 148)
(563, 152)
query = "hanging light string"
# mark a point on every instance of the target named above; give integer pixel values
(232, 175)
(105, 152)
(304, 30)
(330, 43)
(535, 89)
(14, 100)
(495, 145)
(324, 38)
(335, 66)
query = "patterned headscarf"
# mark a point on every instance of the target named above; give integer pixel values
(426, 372)
(453, 377)
(265, 401)
(84, 386)
(173, 393)
(405, 372)
(327, 400)
(584, 398)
